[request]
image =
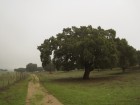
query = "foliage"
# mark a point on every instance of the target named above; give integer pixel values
(39, 68)
(31, 67)
(49, 67)
(83, 47)
(127, 54)
(138, 55)
(3, 70)
(20, 70)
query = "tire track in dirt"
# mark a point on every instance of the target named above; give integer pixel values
(37, 95)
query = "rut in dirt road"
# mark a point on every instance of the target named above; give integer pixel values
(37, 95)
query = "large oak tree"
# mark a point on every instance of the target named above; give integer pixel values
(85, 47)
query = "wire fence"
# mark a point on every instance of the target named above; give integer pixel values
(9, 78)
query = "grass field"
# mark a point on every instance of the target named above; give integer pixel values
(15, 94)
(104, 88)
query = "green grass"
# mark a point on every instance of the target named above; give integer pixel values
(104, 88)
(15, 94)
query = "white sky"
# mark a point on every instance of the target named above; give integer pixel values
(24, 24)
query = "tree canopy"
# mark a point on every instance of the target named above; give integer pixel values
(138, 54)
(85, 48)
(31, 67)
(127, 54)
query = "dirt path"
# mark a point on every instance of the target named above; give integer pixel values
(37, 95)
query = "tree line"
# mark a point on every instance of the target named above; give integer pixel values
(29, 68)
(88, 48)
(3, 70)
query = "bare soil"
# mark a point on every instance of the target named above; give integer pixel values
(37, 95)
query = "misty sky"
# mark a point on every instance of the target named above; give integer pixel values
(24, 24)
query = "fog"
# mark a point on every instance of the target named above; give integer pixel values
(25, 24)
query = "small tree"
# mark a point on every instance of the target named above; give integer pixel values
(31, 67)
(126, 53)
(20, 69)
(49, 67)
(138, 57)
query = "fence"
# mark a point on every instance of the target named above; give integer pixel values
(9, 78)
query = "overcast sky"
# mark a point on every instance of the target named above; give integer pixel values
(24, 24)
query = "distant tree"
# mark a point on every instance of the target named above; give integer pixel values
(132, 52)
(126, 54)
(138, 57)
(40, 69)
(31, 67)
(49, 67)
(85, 47)
(3, 70)
(20, 70)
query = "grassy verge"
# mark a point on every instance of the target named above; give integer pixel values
(15, 94)
(104, 88)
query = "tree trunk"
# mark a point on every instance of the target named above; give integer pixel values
(88, 69)
(86, 74)
(123, 69)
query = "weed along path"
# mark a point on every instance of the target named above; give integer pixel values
(37, 95)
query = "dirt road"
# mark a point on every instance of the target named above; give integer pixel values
(37, 95)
